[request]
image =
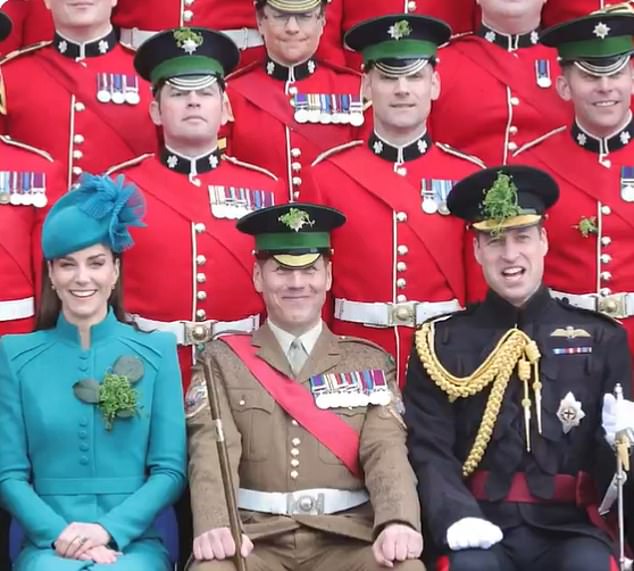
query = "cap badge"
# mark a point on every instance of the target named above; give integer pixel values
(400, 29)
(188, 40)
(569, 332)
(601, 30)
(501, 201)
(570, 412)
(296, 219)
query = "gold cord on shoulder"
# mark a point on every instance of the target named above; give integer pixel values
(514, 350)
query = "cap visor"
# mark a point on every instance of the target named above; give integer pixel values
(296, 260)
(513, 222)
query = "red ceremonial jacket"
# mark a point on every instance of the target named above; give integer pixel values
(396, 246)
(190, 263)
(66, 106)
(494, 100)
(593, 188)
(32, 23)
(30, 182)
(461, 15)
(265, 130)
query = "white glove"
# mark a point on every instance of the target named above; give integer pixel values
(473, 532)
(617, 418)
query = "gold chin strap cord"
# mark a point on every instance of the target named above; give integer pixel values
(620, 8)
(514, 350)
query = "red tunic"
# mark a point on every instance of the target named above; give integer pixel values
(32, 23)
(189, 264)
(601, 264)
(265, 131)
(20, 250)
(557, 11)
(390, 251)
(233, 15)
(490, 103)
(461, 15)
(52, 104)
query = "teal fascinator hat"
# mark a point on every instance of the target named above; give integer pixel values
(99, 211)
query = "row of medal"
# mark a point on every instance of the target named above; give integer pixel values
(542, 73)
(23, 188)
(327, 108)
(118, 88)
(627, 184)
(234, 202)
(434, 193)
(356, 388)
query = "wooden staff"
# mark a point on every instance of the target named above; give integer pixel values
(225, 466)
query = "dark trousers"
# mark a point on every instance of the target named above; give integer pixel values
(528, 549)
(185, 529)
(5, 520)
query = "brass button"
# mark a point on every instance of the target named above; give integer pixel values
(201, 295)
(402, 249)
(401, 283)
(296, 442)
(199, 333)
(294, 462)
(294, 474)
(515, 101)
(200, 260)
(296, 195)
(401, 171)
(188, 15)
(294, 452)
(78, 139)
(242, 402)
(201, 314)
(606, 241)
(411, 5)
(605, 209)
(201, 278)
(512, 146)
(77, 170)
(606, 276)
(605, 291)
(77, 154)
(295, 152)
(401, 216)
(294, 422)
(296, 166)
(401, 266)
(296, 180)
(606, 258)
(199, 227)
(513, 130)
(79, 106)
(400, 298)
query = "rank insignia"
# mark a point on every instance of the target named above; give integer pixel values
(627, 184)
(233, 202)
(352, 389)
(434, 193)
(570, 412)
(542, 73)
(570, 332)
(23, 188)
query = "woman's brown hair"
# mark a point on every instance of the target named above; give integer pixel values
(49, 304)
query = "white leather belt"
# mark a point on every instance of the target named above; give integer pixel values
(380, 314)
(243, 37)
(195, 332)
(616, 305)
(315, 501)
(17, 309)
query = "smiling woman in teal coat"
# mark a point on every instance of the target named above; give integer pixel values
(92, 432)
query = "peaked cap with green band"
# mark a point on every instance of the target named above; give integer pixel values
(398, 37)
(498, 198)
(292, 6)
(294, 234)
(603, 40)
(186, 52)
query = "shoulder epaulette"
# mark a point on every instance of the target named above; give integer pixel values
(453, 38)
(240, 72)
(571, 307)
(9, 141)
(335, 150)
(240, 163)
(129, 163)
(456, 153)
(25, 50)
(539, 139)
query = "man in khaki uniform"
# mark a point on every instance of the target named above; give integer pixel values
(324, 480)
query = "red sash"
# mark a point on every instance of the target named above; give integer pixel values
(520, 78)
(395, 191)
(333, 432)
(257, 90)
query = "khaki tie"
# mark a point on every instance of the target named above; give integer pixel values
(297, 355)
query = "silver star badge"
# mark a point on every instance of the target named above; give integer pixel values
(62, 46)
(490, 36)
(534, 37)
(377, 147)
(625, 137)
(270, 68)
(311, 67)
(172, 161)
(422, 146)
(582, 139)
(570, 412)
(103, 47)
(213, 161)
(601, 30)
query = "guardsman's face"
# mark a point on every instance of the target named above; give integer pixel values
(190, 118)
(402, 102)
(510, 8)
(513, 262)
(293, 297)
(290, 38)
(602, 103)
(83, 282)
(80, 13)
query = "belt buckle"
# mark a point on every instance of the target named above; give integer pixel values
(306, 504)
(197, 333)
(613, 305)
(403, 313)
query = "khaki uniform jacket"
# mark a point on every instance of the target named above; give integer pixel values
(270, 452)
